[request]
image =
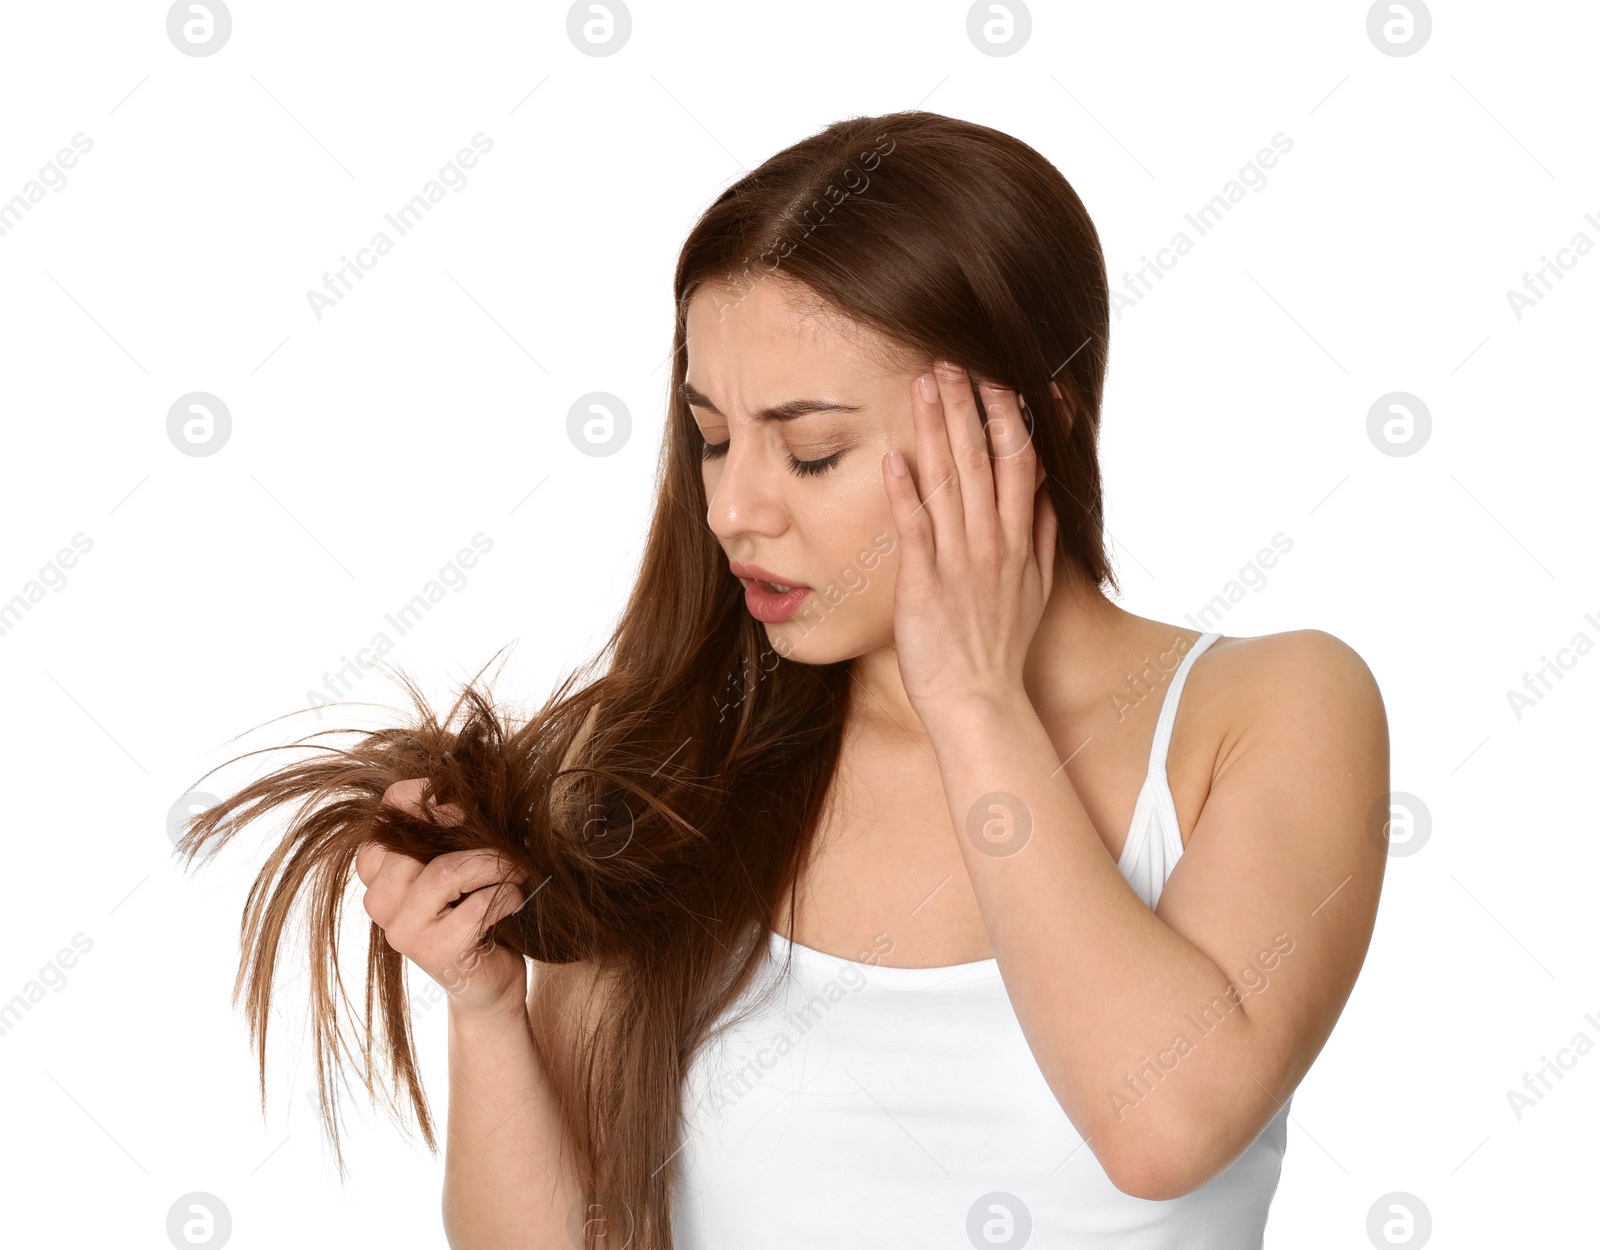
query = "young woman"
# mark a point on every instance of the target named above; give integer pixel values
(892, 886)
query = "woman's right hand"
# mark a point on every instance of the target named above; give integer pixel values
(435, 914)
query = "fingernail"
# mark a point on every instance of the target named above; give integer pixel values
(929, 387)
(897, 462)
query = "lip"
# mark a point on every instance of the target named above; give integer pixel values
(766, 605)
(754, 572)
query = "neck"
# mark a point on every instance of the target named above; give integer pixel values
(1082, 636)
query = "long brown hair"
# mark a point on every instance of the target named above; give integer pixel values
(661, 836)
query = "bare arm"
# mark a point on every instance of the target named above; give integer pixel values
(1157, 1031)
(511, 1178)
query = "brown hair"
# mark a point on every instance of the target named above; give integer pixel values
(664, 847)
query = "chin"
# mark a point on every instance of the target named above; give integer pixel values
(810, 642)
(821, 637)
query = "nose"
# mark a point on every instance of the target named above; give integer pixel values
(746, 498)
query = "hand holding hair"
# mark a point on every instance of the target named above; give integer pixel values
(436, 913)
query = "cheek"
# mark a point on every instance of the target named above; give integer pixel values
(841, 517)
(861, 575)
(866, 557)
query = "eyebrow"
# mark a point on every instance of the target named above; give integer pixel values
(789, 411)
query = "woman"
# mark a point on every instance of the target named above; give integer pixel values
(891, 884)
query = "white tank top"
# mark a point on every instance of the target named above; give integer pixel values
(863, 1105)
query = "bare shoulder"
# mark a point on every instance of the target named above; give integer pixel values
(1271, 698)
(1273, 676)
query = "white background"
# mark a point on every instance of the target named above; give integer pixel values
(430, 404)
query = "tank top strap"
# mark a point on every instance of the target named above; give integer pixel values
(1169, 706)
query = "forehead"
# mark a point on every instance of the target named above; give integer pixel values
(777, 336)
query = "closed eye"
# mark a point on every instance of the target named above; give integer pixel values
(800, 468)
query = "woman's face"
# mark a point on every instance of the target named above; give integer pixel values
(800, 493)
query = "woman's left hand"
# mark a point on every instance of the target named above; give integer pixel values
(977, 546)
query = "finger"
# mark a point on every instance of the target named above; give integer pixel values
(969, 451)
(391, 879)
(448, 877)
(387, 875)
(504, 898)
(938, 485)
(1013, 465)
(407, 796)
(507, 899)
(368, 859)
(913, 526)
(467, 924)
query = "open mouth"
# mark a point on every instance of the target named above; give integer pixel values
(773, 602)
(768, 600)
(772, 586)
